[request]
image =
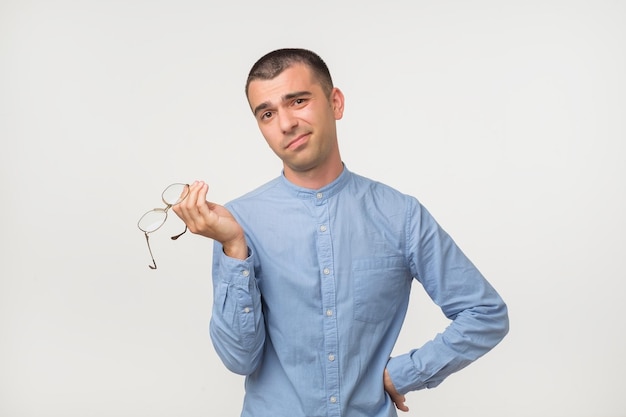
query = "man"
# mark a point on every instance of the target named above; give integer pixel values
(312, 271)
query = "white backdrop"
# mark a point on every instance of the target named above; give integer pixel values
(505, 118)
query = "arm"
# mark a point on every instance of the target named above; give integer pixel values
(479, 315)
(237, 328)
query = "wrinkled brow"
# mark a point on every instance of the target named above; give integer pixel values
(286, 97)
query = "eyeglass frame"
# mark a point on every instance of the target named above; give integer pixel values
(164, 210)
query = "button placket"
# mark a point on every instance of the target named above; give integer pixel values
(326, 265)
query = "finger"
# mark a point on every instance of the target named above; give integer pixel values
(201, 196)
(190, 203)
(400, 400)
(186, 208)
(202, 208)
(193, 193)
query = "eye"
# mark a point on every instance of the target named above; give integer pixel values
(266, 115)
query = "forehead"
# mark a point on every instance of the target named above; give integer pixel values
(296, 78)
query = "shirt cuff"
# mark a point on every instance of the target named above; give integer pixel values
(236, 271)
(403, 373)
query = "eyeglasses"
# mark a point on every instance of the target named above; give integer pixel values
(155, 218)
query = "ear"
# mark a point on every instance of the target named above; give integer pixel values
(337, 101)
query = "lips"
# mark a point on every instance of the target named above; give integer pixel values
(299, 140)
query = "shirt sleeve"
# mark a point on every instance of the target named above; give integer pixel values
(478, 313)
(236, 327)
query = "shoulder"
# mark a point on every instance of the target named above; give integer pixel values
(262, 198)
(257, 193)
(369, 188)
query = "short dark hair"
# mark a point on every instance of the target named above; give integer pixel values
(273, 63)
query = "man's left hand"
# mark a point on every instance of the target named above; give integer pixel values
(397, 398)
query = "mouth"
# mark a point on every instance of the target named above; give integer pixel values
(297, 141)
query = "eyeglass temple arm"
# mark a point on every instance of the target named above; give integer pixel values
(153, 266)
(180, 234)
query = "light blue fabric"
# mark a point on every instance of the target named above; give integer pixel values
(312, 315)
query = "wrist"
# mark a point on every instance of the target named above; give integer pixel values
(237, 248)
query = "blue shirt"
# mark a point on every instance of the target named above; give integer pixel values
(312, 315)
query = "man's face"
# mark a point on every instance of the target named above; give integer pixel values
(297, 119)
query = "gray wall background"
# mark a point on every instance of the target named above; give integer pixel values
(505, 118)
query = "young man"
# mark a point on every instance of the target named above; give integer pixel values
(312, 271)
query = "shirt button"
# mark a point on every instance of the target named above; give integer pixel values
(331, 357)
(333, 399)
(326, 271)
(246, 310)
(319, 195)
(322, 228)
(329, 312)
(245, 272)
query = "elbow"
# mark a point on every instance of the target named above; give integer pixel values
(239, 367)
(239, 364)
(504, 322)
(239, 358)
(486, 325)
(499, 323)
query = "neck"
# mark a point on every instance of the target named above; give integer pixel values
(317, 177)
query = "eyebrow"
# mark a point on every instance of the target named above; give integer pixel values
(286, 97)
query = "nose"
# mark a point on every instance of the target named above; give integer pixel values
(287, 121)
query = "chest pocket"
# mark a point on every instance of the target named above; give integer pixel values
(380, 287)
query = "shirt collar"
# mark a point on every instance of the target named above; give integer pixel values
(323, 193)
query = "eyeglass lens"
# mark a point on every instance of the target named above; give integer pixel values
(175, 193)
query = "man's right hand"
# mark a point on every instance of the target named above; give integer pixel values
(212, 220)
